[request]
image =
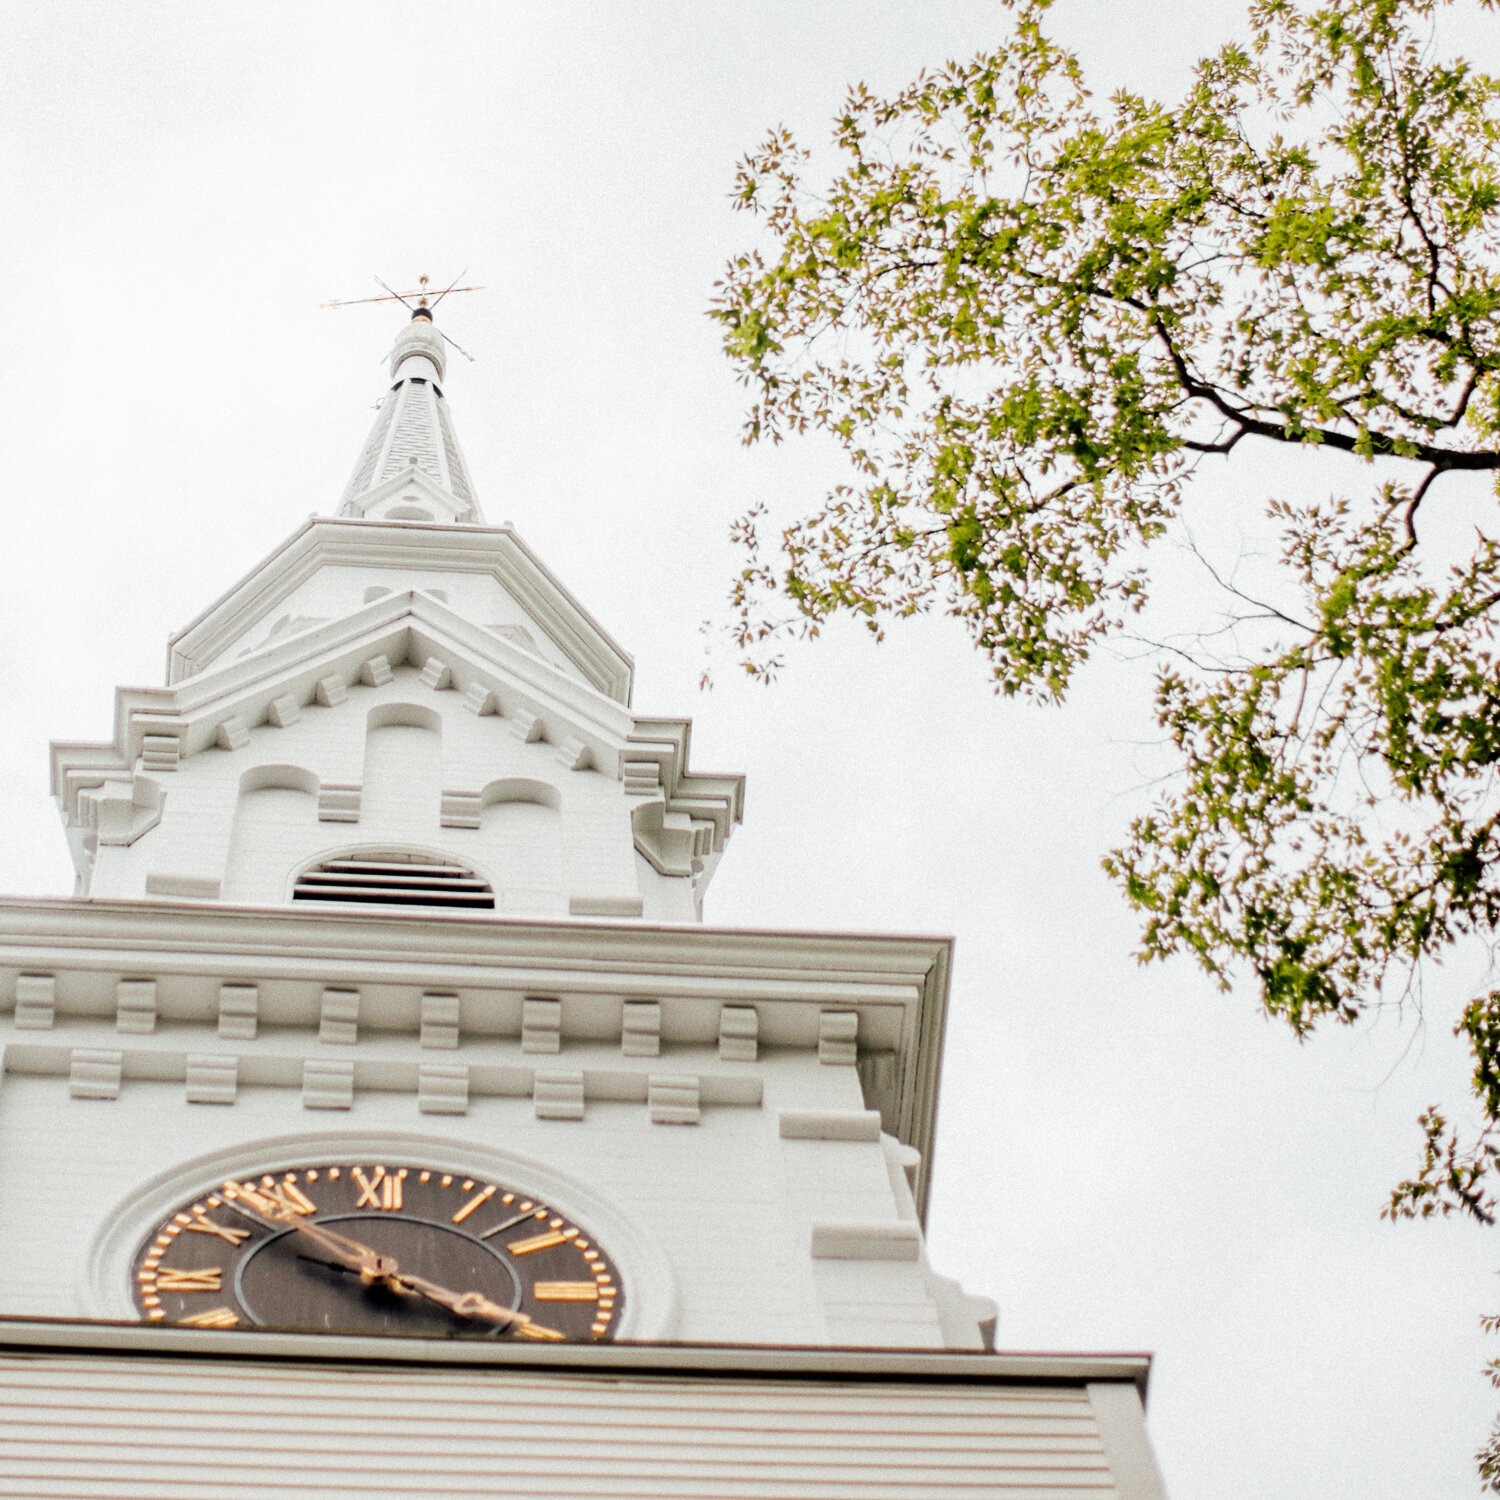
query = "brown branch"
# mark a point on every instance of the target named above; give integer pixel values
(1410, 518)
(1445, 459)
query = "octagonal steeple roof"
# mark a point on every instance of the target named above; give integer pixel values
(411, 467)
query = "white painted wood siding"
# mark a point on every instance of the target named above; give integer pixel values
(174, 1428)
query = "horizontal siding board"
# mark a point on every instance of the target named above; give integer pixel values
(499, 1467)
(482, 1439)
(118, 1407)
(345, 1447)
(199, 1483)
(71, 1488)
(354, 1383)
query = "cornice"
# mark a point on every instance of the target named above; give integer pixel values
(899, 982)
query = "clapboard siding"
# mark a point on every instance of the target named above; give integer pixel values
(172, 1429)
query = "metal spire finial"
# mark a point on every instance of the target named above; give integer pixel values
(421, 308)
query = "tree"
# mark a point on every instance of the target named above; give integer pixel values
(1033, 323)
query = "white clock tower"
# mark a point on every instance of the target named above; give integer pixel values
(379, 1117)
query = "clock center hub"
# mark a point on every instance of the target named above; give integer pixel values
(284, 1281)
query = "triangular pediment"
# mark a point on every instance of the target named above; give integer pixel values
(331, 569)
(411, 495)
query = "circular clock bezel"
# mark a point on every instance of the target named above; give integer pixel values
(650, 1304)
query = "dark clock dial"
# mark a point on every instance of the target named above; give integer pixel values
(356, 1247)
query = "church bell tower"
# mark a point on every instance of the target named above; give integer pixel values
(381, 1117)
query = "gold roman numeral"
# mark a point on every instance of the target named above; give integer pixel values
(566, 1291)
(472, 1204)
(205, 1280)
(202, 1224)
(215, 1317)
(537, 1242)
(290, 1196)
(380, 1190)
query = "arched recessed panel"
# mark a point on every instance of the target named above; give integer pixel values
(275, 823)
(403, 773)
(520, 789)
(279, 778)
(408, 513)
(520, 835)
(412, 715)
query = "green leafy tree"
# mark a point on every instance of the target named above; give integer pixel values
(1033, 322)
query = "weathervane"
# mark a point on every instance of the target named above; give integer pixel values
(421, 304)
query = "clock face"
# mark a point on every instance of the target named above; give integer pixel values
(377, 1247)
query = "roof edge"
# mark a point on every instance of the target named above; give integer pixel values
(809, 1362)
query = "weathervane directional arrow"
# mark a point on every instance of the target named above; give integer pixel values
(421, 294)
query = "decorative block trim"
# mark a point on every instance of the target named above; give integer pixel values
(527, 728)
(541, 1025)
(605, 906)
(376, 672)
(558, 1095)
(480, 700)
(642, 778)
(284, 712)
(160, 752)
(739, 1033)
(672, 1099)
(338, 802)
(573, 753)
(891, 1240)
(439, 1019)
(135, 1005)
(443, 1088)
(460, 810)
(36, 1001)
(838, 1037)
(332, 691)
(640, 1029)
(233, 734)
(239, 1011)
(437, 674)
(212, 1078)
(327, 1085)
(830, 1124)
(338, 1020)
(94, 1073)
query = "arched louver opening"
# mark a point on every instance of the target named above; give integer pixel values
(395, 880)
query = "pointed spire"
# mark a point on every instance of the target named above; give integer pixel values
(411, 467)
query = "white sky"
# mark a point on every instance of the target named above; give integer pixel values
(1126, 1159)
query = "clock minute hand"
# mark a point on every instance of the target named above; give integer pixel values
(371, 1265)
(466, 1304)
(475, 1305)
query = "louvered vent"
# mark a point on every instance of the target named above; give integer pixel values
(395, 880)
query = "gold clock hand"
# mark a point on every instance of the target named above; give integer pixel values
(374, 1268)
(476, 1305)
(371, 1265)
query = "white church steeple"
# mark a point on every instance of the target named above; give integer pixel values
(270, 759)
(411, 467)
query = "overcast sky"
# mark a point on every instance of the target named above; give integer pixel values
(1126, 1159)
